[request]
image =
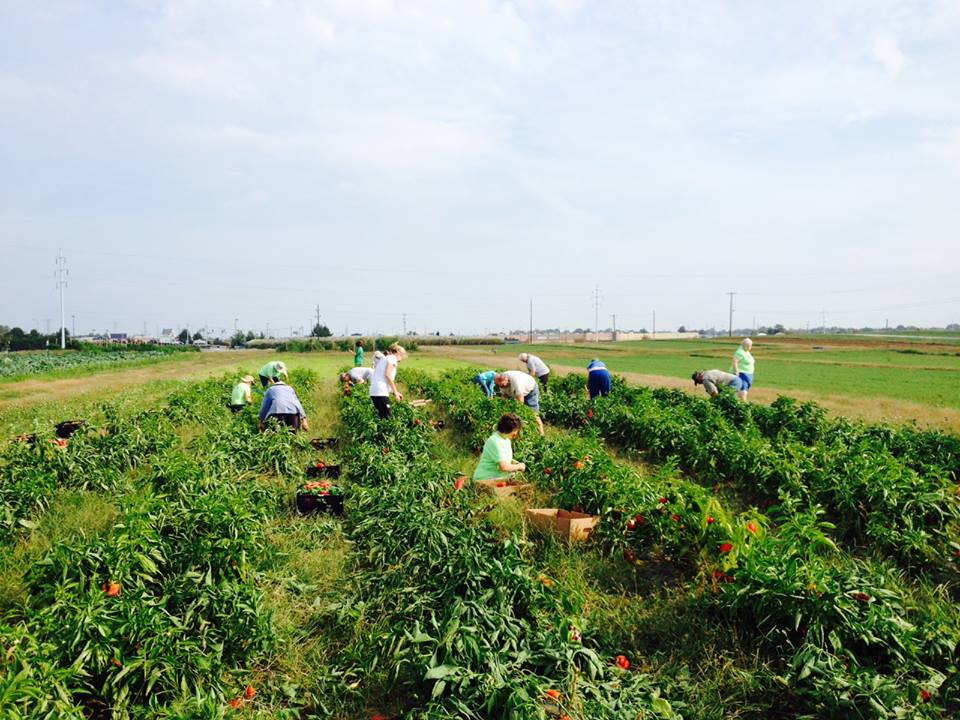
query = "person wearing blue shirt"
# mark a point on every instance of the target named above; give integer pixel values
(280, 401)
(485, 381)
(598, 379)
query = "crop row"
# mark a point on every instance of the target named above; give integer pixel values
(160, 613)
(850, 637)
(467, 627)
(904, 501)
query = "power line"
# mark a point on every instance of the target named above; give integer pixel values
(730, 330)
(596, 313)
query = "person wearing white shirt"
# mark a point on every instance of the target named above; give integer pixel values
(384, 382)
(357, 375)
(522, 388)
(536, 367)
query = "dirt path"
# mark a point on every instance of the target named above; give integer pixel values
(106, 383)
(872, 409)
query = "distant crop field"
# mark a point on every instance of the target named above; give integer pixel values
(19, 365)
(926, 373)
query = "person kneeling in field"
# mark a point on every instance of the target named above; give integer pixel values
(280, 401)
(496, 460)
(713, 380)
(241, 396)
(357, 375)
(522, 388)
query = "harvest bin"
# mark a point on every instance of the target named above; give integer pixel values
(321, 443)
(501, 487)
(570, 526)
(67, 428)
(309, 504)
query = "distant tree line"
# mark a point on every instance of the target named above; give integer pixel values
(16, 338)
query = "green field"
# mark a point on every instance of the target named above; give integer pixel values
(429, 602)
(846, 375)
(928, 376)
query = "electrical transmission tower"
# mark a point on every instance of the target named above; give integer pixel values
(61, 272)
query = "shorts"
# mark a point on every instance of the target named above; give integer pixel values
(736, 384)
(746, 381)
(291, 420)
(532, 400)
(598, 383)
(264, 380)
(382, 404)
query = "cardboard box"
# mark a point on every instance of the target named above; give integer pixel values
(570, 526)
(501, 487)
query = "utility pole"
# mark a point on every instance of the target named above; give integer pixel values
(318, 315)
(530, 336)
(61, 273)
(73, 322)
(404, 324)
(614, 316)
(730, 330)
(596, 313)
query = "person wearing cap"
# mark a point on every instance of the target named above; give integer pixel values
(742, 367)
(281, 403)
(713, 380)
(274, 368)
(241, 395)
(536, 367)
(598, 379)
(357, 375)
(523, 388)
(486, 381)
(496, 460)
(384, 381)
(358, 354)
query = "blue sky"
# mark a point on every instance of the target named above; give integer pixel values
(201, 161)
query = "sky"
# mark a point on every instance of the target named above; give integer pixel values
(236, 163)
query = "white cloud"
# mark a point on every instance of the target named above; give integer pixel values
(886, 51)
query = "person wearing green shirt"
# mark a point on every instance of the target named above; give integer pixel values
(496, 460)
(358, 354)
(742, 367)
(241, 396)
(273, 369)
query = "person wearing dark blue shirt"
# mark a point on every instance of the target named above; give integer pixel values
(598, 379)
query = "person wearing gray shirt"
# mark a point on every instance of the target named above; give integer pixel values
(280, 401)
(713, 380)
